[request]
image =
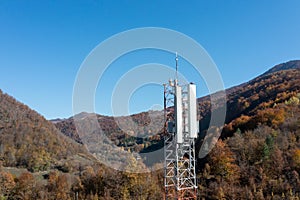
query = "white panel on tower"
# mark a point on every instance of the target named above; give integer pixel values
(192, 107)
(178, 113)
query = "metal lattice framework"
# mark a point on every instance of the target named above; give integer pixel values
(179, 164)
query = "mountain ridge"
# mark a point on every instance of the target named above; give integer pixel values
(241, 100)
(292, 64)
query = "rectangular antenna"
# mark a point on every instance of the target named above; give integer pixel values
(192, 108)
(178, 113)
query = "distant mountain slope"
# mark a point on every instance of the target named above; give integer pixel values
(128, 132)
(259, 95)
(276, 85)
(294, 64)
(28, 140)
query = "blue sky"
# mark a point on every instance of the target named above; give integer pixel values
(43, 43)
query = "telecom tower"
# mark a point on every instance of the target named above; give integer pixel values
(181, 129)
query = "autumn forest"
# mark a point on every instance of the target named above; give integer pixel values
(256, 157)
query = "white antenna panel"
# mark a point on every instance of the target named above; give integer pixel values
(192, 117)
(178, 113)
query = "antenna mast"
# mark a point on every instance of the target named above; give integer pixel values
(181, 129)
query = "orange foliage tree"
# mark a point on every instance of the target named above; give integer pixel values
(7, 183)
(222, 162)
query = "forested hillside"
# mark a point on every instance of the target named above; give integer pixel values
(37, 161)
(259, 163)
(28, 140)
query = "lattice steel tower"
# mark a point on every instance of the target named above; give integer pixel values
(181, 129)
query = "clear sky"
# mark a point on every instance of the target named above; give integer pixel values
(43, 43)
